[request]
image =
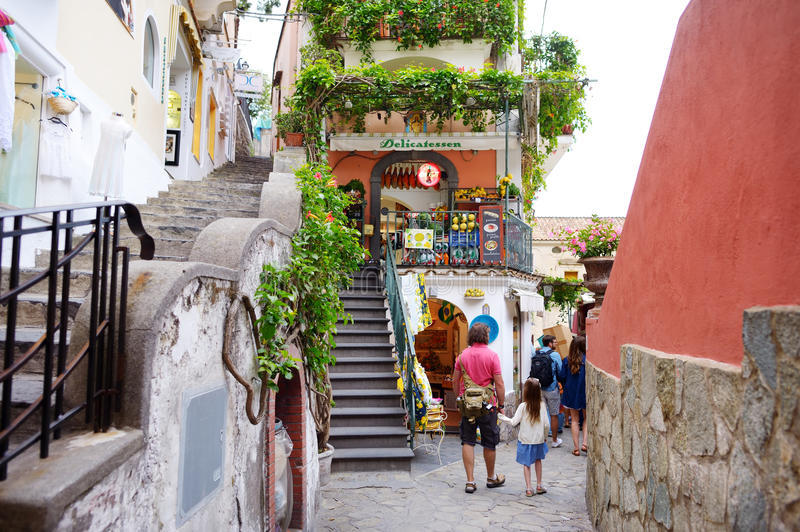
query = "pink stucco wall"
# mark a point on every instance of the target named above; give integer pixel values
(714, 220)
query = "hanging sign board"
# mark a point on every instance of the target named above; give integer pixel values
(251, 83)
(491, 227)
(419, 238)
(223, 54)
(429, 174)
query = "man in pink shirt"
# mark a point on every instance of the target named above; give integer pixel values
(483, 367)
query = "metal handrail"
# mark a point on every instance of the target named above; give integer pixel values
(403, 338)
(106, 344)
(459, 248)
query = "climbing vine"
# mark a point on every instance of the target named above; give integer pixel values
(411, 23)
(565, 294)
(301, 300)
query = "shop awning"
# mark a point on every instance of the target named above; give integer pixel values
(180, 18)
(529, 301)
(492, 140)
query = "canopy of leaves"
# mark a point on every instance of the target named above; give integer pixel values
(411, 23)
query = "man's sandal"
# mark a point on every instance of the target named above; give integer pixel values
(470, 487)
(496, 482)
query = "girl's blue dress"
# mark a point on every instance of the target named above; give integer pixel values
(528, 453)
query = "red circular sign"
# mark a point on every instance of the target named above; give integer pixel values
(429, 174)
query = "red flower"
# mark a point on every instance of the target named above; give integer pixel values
(498, 4)
(439, 25)
(318, 176)
(400, 12)
(329, 218)
(420, 47)
(399, 39)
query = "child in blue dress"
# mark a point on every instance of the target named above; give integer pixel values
(534, 423)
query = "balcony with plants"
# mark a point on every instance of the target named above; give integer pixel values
(412, 24)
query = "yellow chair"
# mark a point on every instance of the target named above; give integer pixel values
(434, 428)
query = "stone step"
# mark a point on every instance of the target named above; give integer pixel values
(209, 195)
(359, 313)
(171, 230)
(358, 301)
(385, 380)
(156, 219)
(374, 398)
(362, 336)
(363, 350)
(368, 417)
(168, 209)
(359, 289)
(85, 259)
(220, 187)
(79, 285)
(363, 364)
(372, 459)
(32, 309)
(361, 437)
(24, 338)
(364, 324)
(245, 203)
(164, 246)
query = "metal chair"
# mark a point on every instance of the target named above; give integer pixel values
(434, 428)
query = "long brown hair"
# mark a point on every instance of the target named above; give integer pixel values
(576, 351)
(532, 396)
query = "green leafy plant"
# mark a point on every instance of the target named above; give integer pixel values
(565, 296)
(289, 122)
(412, 23)
(301, 301)
(264, 6)
(598, 239)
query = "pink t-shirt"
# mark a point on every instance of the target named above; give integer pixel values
(481, 363)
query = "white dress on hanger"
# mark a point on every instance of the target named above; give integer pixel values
(109, 163)
(7, 61)
(55, 150)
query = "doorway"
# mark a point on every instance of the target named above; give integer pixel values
(19, 165)
(437, 347)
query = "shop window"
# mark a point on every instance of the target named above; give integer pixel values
(212, 125)
(124, 11)
(150, 53)
(195, 111)
(571, 276)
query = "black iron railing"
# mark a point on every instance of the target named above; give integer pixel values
(57, 226)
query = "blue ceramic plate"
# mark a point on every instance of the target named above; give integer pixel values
(494, 329)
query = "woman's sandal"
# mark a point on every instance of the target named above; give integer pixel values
(584, 449)
(576, 452)
(470, 487)
(540, 490)
(529, 493)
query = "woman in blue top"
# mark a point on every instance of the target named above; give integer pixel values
(573, 377)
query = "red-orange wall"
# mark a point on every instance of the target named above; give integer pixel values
(477, 169)
(714, 220)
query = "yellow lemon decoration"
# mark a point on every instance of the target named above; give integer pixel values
(455, 220)
(471, 226)
(463, 226)
(454, 227)
(419, 237)
(471, 217)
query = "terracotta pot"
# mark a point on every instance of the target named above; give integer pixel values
(294, 139)
(598, 270)
(325, 460)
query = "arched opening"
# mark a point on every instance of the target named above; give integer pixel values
(437, 347)
(393, 175)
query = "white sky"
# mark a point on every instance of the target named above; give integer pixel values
(625, 45)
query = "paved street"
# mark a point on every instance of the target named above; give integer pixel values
(432, 497)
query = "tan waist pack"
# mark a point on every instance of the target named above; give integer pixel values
(475, 400)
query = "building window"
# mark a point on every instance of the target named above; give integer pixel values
(556, 250)
(150, 49)
(571, 276)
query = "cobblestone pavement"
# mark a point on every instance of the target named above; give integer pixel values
(432, 497)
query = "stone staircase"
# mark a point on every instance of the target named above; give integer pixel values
(173, 219)
(368, 427)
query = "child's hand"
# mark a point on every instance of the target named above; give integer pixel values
(503, 418)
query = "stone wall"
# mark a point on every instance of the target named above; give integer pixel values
(684, 443)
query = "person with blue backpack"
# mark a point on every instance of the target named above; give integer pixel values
(546, 366)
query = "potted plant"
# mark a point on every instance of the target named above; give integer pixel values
(290, 127)
(595, 246)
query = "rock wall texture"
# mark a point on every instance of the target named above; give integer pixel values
(683, 443)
